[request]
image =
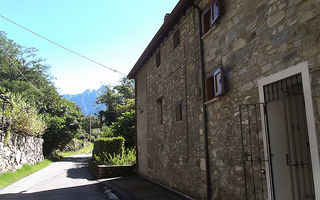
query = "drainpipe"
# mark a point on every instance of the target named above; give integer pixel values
(203, 103)
(135, 122)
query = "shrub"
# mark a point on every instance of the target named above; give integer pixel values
(113, 145)
(127, 157)
(107, 132)
(23, 117)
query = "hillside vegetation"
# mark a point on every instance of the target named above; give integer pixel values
(36, 109)
(32, 105)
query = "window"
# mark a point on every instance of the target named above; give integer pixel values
(210, 16)
(210, 86)
(158, 58)
(206, 20)
(176, 38)
(179, 110)
(215, 84)
(215, 11)
(159, 111)
(218, 82)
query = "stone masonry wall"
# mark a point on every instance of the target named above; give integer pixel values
(254, 39)
(20, 150)
(175, 150)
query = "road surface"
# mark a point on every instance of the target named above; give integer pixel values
(66, 179)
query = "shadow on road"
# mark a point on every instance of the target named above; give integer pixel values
(86, 192)
(79, 173)
(82, 160)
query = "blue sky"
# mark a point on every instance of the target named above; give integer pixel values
(114, 33)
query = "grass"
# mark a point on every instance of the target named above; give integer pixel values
(8, 178)
(87, 147)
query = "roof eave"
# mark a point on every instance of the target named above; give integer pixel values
(166, 27)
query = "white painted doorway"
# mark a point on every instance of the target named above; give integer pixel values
(290, 139)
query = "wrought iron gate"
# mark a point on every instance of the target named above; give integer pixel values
(253, 152)
(287, 144)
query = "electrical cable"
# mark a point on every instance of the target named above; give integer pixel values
(65, 48)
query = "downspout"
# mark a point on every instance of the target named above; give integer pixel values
(203, 103)
(135, 122)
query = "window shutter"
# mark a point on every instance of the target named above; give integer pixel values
(215, 11)
(218, 82)
(206, 19)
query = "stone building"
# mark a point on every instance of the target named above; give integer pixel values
(228, 100)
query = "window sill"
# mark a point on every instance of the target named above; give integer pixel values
(211, 101)
(208, 33)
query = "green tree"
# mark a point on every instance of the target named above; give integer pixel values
(119, 115)
(63, 117)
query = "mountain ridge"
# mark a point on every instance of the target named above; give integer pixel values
(86, 100)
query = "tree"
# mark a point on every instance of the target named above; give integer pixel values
(62, 117)
(119, 115)
(114, 98)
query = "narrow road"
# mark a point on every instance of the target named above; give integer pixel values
(66, 179)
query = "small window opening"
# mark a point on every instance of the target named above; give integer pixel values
(206, 21)
(179, 111)
(215, 84)
(176, 38)
(159, 111)
(210, 87)
(158, 58)
(210, 15)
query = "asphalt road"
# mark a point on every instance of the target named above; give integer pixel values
(63, 180)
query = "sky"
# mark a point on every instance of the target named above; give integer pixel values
(114, 33)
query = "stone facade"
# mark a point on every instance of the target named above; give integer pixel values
(252, 40)
(19, 150)
(173, 148)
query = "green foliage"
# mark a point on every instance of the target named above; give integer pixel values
(106, 131)
(7, 137)
(22, 117)
(63, 117)
(8, 178)
(62, 127)
(125, 127)
(87, 148)
(126, 157)
(85, 123)
(114, 98)
(120, 113)
(109, 145)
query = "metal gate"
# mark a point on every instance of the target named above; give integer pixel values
(287, 144)
(253, 152)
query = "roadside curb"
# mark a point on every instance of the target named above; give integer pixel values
(113, 192)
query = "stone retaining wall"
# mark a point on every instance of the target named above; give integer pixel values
(20, 150)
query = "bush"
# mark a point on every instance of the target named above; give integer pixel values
(107, 132)
(23, 117)
(113, 145)
(127, 157)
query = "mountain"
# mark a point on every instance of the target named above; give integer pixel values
(86, 101)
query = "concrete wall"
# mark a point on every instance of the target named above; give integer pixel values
(141, 113)
(20, 150)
